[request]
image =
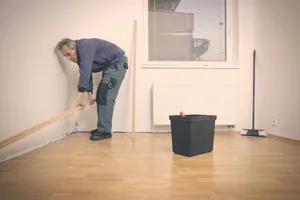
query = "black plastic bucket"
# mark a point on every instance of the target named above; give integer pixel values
(192, 134)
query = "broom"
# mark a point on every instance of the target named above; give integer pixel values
(253, 131)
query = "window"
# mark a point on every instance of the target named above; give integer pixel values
(187, 32)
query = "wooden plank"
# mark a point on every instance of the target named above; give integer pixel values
(37, 127)
(134, 77)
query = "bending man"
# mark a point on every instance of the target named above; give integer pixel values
(96, 55)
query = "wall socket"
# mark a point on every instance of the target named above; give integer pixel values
(274, 122)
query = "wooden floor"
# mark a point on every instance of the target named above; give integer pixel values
(145, 168)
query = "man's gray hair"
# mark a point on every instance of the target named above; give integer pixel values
(71, 44)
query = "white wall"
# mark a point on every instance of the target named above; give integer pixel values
(277, 40)
(35, 84)
(146, 77)
(47, 86)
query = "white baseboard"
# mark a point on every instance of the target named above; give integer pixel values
(14, 155)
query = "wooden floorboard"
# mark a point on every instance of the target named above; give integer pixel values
(144, 168)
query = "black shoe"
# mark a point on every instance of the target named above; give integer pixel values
(94, 131)
(100, 136)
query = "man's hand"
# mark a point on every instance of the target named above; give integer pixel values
(89, 99)
(78, 99)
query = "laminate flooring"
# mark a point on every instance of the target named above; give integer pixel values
(145, 168)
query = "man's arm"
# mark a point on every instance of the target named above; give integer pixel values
(85, 68)
(90, 87)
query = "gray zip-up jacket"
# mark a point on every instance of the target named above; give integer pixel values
(95, 55)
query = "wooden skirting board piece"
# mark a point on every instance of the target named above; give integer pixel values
(134, 76)
(37, 127)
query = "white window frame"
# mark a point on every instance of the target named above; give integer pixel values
(231, 5)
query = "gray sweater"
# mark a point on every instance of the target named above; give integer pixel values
(95, 55)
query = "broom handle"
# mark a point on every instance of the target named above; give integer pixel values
(253, 103)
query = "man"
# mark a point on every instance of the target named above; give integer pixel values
(95, 55)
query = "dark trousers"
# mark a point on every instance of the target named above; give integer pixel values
(107, 93)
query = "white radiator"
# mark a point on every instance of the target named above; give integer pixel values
(195, 99)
